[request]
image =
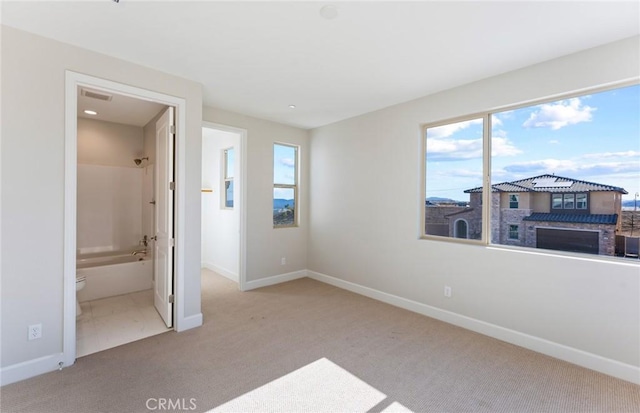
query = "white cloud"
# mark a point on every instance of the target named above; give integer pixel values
(542, 166)
(461, 149)
(288, 162)
(503, 147)
(554, 142)
(626, 154)
(573, 169)
(445, 131)
(559, 114)
(454, 149)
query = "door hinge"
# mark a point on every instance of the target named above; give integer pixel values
(172, 129)
(172, 242)
(172, 186)
(171, 299)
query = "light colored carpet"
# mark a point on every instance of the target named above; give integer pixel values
(270, 341)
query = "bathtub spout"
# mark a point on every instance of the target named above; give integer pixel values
(144, 251)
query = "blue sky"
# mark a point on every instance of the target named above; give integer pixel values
(284, 158)
(594, 137)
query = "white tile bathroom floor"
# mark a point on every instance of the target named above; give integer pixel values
(113, 321)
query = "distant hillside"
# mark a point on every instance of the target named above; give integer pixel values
(281, 203)
(434, 200)
(630, 203)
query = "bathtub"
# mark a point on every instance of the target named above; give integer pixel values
(114, 273)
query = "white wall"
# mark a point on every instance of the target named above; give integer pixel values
(109, 211)
(33, 143)
(109, 192)
(364, 222)
(109, 143)
(266, 245)
(220, 226)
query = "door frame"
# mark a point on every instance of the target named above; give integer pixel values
(241, 202)
(72, 81)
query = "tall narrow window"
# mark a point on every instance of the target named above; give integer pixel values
(453, 179)
(581, 201)
(514, 231)
(285, 185)
(227, 167)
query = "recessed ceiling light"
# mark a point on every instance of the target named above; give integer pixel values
(292, 106)
(90, 112)
(329, 12)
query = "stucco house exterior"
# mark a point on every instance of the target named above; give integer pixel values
(545, 211)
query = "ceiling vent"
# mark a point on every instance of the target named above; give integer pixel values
(96, 95)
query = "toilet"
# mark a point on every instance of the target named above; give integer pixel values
(81, 281)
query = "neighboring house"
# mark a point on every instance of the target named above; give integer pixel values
(545, 211)
(554, 212)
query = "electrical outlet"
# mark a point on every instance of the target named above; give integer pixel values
(283, 261)
(35, 331)
(447, 291)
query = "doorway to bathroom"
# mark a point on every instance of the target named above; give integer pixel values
(122, 210)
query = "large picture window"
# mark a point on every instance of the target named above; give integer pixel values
(285, 185)
(571, 166)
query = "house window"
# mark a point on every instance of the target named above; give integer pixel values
(569, 201)
(285, 185)
(581, 201)
(514, 232)
(453, 153)
(513, 201)
(227, 167)
(552, 152)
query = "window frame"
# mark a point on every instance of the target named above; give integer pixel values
(293, 186)
(485, 199)
(486, 115)
(225, 179)
(511, 231)
(517, 201)
(563, 196)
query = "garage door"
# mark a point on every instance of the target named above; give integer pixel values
(564, 240)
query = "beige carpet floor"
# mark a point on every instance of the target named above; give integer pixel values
(274, 348)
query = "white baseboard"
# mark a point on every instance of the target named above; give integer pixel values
(276, 279)
(25, 370)
(581, 358)
(190, 322)
(220, 270)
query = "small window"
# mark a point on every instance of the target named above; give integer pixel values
(513, 201)
(285, 185)
(569, 201)
(228, 166)
(581, 201)
(514, 232)
(556, 201)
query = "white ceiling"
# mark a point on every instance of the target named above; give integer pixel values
(119, 109)
(258, 58)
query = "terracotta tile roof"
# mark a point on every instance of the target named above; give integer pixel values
(609, 219)
(549, 183)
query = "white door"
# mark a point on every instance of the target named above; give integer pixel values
(163, 251)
